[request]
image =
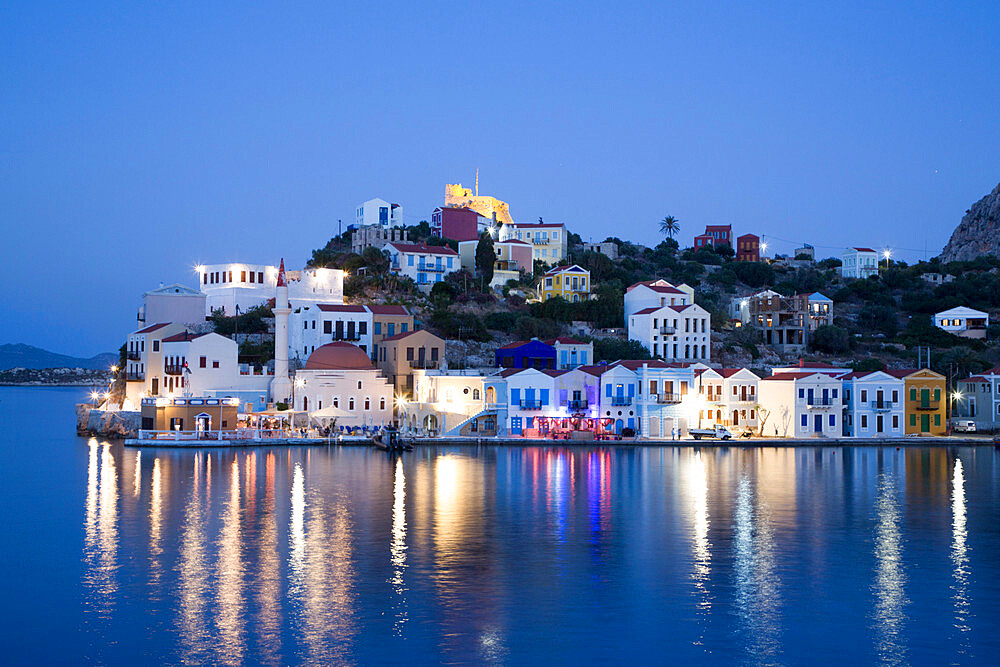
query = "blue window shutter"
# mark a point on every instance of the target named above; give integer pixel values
(563, 358)
(529, 394)
(802, 394)
(531, 422)
(833, 420)
(515, 396)
(805, 420)
(609, 390)
(835, 393)
(378, 328)
(402, 327)
(583, 357)
(409, 260)
(545, 396)
(631, 390)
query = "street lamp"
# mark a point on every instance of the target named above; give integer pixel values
(299, 382)
(886, 254)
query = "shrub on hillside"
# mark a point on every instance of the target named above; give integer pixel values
(830, 339)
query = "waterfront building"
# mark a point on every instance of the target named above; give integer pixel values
(144, 360)
(531, 394)
(748, 248)
(926, 407)
(978, 399)
(873, 405)
(403, 353)
(228, 286)
(673, 333)
(341, 375)
(964, 322)
(449, 402)
(380, 213)
(800, 404)
(572, 283)
(715, 236)
(526, 354)
(423, 264)
(727, 397)
(548, 239)
(859, 263)
(570, 352)
(652, 397)
(313, 326)
(459, 223)
(172, 303)
(206, 364)
(387, 321)
(189, 413)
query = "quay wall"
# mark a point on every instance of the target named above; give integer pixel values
(107, 423)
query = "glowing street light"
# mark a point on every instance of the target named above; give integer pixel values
(886, 254)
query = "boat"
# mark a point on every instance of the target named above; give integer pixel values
(389, 440)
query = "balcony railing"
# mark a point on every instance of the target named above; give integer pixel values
(929, 405)
(667, 331)
(424, 363)
(132, 355)
(821, 402)
(540, 241)
(173, 369)
(621, 400)
(531, 405)
(881, 406)
(433, 268)
(135, 376)
(581, 404)
(347, 336)
(669, 398)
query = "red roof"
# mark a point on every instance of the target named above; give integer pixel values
(152, 327)
(389, 310)
(424, 249)
(340, 308)
(281, 275)
(974, 378)
(790, 376)
(900, 372)
(563, 340)
(717, 228)
(864, 250)
(183, 336)
(748, 236)
(663, 289)
(404, 334)
(653, 309)
(536, 225)
(515, 241)
(729, 372)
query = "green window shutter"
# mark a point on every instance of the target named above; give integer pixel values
(937, 419)
(913, 394)
(913, 420)
(937, 394)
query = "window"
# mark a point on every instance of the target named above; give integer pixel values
(895, 396)
(864, 421)
(156, 346)
(434, 354)
(833, 420)
(368, 403)
(409, 354)
(260, 277)
(202, 362)
(359, 384)
(381, 403)
(895, 422)
(362, 328)
(336, 401)
(350, 404)
(327, 326)
(215, 364)
(243, 276)
(409, 260)
(804, 421)
(475, 394)
(802, 393)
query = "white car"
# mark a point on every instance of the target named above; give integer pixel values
(963, 426)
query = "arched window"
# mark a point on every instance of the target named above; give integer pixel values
(491, 395)
(687, 351)
(703, 355)
(368, 403)
(350, 404)
(359, 384)
(305, 403)
(736, 417)
(475, 394)
(336, 401)
(381, 403)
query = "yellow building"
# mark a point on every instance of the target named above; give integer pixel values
(488, 207)
(570, 282)
(926, 407)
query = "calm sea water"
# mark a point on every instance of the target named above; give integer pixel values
(493, 554)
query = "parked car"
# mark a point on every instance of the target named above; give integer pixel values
(720, 432)
(963, 425)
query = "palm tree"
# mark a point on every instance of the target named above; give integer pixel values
(669, 226)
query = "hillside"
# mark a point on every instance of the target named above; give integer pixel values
(19, 355)
(978, 233)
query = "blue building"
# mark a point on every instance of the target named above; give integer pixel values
(526, 354)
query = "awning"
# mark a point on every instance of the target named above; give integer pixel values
(330, 412)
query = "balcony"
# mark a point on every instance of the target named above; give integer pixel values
(667, 331)
(928, 405)
(669, 399)
(881, 406)
(531, 405)
(433, 268)
(578, 404)
(347, 336)
(820, 403)
(135, 376)
(540, 241)
(621, 400)
(132, 355)
(173, 369)
(424, 364)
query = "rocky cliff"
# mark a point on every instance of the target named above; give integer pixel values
(978, 233)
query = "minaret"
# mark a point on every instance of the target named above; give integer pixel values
(281, 386)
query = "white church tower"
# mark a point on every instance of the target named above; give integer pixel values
(281, 386)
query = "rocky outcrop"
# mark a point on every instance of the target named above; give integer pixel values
(107, 423)
(978, 233)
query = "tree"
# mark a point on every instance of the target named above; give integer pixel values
(486, 255)
(613, 349)
(830, 339)
(669, 226)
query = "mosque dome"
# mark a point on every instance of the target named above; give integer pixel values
(338, 357)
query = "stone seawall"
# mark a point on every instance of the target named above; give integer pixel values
(107, 423)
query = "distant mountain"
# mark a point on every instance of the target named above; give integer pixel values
(19, 355)
(978, 233)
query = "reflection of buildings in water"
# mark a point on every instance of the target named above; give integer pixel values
(460, 547)
(192, 577)
(397, 547)
(559, 491)
(890, 578)
(137, 477)
(230, 641)
(268, 574)
(960, 560)
(598, 493)
(928, 474)
(101, 529)
(758, 595)
(694, 484)
(322, 573)
(155, 527)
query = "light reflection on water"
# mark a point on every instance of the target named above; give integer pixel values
(345, 555)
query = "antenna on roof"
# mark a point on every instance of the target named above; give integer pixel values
(477, 181)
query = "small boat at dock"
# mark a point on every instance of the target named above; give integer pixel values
(389, 440)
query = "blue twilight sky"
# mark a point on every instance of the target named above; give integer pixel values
(137, 139)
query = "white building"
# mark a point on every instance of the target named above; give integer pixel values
(654, 294)
(673, 333)
(311, 327)
(962, 321)
(144, 360)
(172, 303)
(859, 263)
(444, 402)
(728, 397)
(800, 405)
(379, 212)
(424, 264)
(548, 239)
(571, 353)
(227, 286)
(874, 405)
(342, 376)
(739, 306)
